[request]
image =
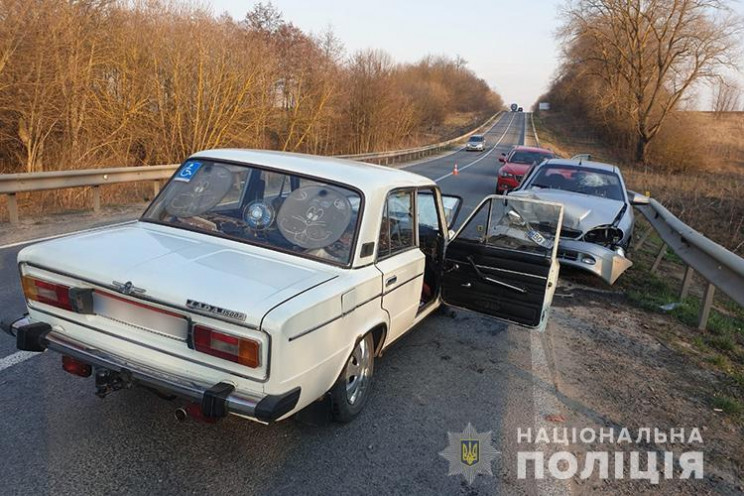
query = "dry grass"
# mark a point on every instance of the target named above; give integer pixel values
(709, 199)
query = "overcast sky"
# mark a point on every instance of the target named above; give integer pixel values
(509, 43)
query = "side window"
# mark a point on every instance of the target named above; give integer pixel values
(428, 217)
(428, 222)
(475, 229)
(396, 231)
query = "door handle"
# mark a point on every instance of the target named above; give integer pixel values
(391, 281)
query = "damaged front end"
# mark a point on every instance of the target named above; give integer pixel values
(605, 263)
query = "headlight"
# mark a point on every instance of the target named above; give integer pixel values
(605, 236)
(507, 175)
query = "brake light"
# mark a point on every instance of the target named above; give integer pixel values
(47, 292)
(240, 350)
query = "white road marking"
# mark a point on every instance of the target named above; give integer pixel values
(46, 238)
(545, 403)
(459, 169)
(17, 357)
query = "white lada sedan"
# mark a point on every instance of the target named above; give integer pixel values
(259, 282)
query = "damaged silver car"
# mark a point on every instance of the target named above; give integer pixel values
(598, 215)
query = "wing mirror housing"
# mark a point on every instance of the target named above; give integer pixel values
(637, 198)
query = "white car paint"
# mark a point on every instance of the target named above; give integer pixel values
(307, 315)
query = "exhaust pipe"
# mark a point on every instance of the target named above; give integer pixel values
(181, 414)
(194, 411)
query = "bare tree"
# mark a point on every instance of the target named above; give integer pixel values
(655, 50)
(726, 97)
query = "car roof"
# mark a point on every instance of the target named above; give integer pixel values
(587, 164)
(476, 135)
(369, 178)
(532, 149)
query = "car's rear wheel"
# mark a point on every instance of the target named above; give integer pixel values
(351, 390)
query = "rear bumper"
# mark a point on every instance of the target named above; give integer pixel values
(600, 261)
(266, 408)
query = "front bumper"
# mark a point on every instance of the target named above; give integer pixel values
(267, 408)
(478, 148)
(602, 262)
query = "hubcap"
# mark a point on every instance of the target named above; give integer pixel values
(358, 370)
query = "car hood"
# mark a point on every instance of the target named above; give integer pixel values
(518, 169)
(174, 266)
(580, 212)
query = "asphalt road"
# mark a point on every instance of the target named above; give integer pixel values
(59, 438)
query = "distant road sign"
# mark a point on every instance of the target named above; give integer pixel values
(543, 106)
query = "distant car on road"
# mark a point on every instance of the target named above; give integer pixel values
(520, 109)
(476, 142)
(257, 283)
(598, 221)
(516, 163)
(514, 107)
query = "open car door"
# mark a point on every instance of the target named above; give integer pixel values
(502, 261)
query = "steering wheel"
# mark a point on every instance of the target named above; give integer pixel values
(199, 194)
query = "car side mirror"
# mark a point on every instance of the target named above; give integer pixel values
(451, 206)
(502, 160)
(637, 198)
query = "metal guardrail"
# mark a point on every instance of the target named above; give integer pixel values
(721, 268)
(11, 184)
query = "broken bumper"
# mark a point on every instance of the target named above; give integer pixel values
(40, 336)
(607, 264)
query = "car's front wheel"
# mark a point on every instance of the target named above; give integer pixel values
(351, 390)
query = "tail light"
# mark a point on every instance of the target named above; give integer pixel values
(76, 367)
(57, 295)
(240, 350)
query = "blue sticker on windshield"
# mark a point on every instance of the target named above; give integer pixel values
(187, 171)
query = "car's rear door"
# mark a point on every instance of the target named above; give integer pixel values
(503, 263)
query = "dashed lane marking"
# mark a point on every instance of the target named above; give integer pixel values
(460, 169)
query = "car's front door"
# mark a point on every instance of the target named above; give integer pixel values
(400, 261)
(503, 263)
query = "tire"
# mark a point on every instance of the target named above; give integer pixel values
(350, 392)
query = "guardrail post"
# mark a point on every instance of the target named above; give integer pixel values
(12, 208)
(155, 188)
(661, 254)
(96, 199)
(644, 238)
(686, 281)
(710, 291)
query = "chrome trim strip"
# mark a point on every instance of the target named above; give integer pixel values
(511, 271)
(398, 286)
(153, 348)
(308, 331)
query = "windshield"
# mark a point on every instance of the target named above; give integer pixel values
(529, 158)
(276, 210)
(583, 180)
(476, 139)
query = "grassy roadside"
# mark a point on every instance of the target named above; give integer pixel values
(721, 346)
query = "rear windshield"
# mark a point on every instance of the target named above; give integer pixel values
(587, 181)
(529, 158)
(477, 139)
(276, 210)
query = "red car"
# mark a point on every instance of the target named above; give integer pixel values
(516, 163)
